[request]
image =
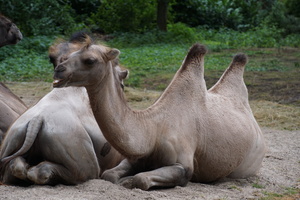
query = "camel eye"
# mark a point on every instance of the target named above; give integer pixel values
(8, 26)
(89, 61)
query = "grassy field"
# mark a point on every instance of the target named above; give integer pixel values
(272, 74)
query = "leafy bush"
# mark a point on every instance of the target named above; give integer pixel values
(181, 33)
(41, 17)
(292, 40)
(278, 17)
(263, 35)
(125, 16)
(129, 39)
(212, 13)
(177, 33)
(293, 7)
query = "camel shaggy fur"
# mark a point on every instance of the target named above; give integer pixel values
(189, 133)
(9, 32)
(58, 139)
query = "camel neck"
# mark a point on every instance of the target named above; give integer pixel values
(121, 126)
(134, 133)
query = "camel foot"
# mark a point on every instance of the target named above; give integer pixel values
(40, 174)
(126, 182)
(141, 181)
(137, 181)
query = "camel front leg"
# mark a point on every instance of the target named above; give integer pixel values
(169, 176)
(115, 174)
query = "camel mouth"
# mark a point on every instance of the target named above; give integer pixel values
(61, 82)
(58, 83)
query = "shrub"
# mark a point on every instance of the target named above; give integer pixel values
(125, 16)
(181, 33)
(40, 17)
(279, 18)
(293, 7)
(213, 13)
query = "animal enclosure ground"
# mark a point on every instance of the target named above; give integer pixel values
(279, 177)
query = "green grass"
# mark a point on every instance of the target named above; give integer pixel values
(290, 193)
(257, 185)
(26, 61)
(152, 58)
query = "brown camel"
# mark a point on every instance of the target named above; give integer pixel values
(11, 106)
(189, 133)
(9, 32)
(58, 139)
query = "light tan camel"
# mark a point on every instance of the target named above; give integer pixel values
(189, 133)
(9, 32)
(58, 139)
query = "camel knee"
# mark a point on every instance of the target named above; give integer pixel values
(186, 175)
(19, 168)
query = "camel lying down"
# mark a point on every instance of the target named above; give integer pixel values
(57, 140)
(189, 133)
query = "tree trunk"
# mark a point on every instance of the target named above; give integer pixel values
(162, 10)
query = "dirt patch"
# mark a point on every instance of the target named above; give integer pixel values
(279, 177)
(29, 92)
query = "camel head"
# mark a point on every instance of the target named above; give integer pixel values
(60, 50)
(76, 68)
(9, 32)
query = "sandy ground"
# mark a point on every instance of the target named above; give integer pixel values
(280, 174)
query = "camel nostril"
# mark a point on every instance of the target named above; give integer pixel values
(60, 68)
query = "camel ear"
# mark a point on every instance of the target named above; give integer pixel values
(112, 54)
(122, 74)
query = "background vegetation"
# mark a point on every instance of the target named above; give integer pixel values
(151, 55)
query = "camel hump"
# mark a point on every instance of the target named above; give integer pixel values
(240, 59)
(231, 82)
(197, 49)
(195, 55)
